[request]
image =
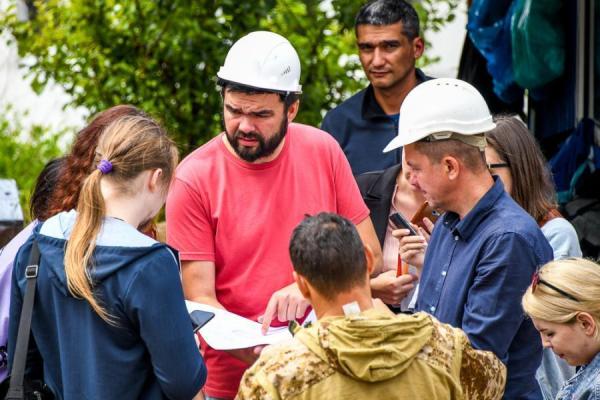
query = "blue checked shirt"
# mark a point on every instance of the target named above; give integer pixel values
(476, 271)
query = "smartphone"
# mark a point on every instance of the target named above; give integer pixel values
(401, 223)
(200, 318)
(425, 211)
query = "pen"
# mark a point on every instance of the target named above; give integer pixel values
(402, 268)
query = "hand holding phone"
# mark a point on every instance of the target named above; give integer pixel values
(401, 223)
(200, 318)
(425, 211)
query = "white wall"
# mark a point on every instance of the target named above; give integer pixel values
(447, 44)
(46, 109)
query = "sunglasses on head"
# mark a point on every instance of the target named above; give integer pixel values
(536, 280)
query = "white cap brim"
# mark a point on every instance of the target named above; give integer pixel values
(394, 144)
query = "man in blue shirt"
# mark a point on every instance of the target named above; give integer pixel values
(485, 249)
(387, 35)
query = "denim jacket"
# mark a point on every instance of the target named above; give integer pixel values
(585, 385)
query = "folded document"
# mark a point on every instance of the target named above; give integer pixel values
(228, 331)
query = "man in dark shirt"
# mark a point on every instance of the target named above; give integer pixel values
(485, 249)
(387, 35)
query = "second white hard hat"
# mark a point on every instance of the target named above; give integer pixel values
(439, 107)
(263, 60)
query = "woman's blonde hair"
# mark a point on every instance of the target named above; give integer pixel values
(132, 145)
(579, 278)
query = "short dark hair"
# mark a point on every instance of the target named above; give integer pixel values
(388, 12)
(288, 98)
(470, 156)
(327, 250)
(532, 185)
(44, 188)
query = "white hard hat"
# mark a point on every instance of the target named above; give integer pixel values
(263, 60)
(441, 109)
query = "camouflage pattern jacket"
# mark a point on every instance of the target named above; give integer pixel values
(375, 355)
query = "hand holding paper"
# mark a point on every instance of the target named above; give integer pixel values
(286, 304)
(227, 331)
(249, 355)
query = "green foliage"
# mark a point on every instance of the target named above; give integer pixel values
(163, 56)
(23, 154)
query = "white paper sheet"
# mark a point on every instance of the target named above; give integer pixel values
(227, 331)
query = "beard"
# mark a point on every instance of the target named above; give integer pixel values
(264, 148)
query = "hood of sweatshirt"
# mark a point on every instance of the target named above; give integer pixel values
(118, 245)
(371, 346)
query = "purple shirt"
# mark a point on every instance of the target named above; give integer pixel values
(7, 257)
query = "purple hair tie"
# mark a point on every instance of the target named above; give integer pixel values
(105, 166)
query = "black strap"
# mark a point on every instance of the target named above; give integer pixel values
(15, 390)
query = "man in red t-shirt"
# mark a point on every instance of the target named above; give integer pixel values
(235, 200)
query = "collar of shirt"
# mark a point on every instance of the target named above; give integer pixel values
(465, 227)
(371, 109)
(583, 381)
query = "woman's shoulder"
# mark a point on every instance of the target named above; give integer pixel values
(562, 238)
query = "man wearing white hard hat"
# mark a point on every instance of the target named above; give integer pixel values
(485, 249)
(235, 200)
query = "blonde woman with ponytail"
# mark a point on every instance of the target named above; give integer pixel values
(563, 302)
(109, 318)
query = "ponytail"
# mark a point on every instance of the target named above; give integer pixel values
(128, 146)
(82, 242)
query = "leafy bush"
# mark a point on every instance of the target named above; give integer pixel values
(23, 154)
(163, 56)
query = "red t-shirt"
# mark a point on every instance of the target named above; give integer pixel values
(241, 215)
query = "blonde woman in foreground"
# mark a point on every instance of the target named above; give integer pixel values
(563, 301)
(109, 319)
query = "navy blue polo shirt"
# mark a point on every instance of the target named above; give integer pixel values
(363, 129)
(475, 274)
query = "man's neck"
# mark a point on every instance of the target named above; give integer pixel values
(478, 185)
(390, 99)
(334, 308)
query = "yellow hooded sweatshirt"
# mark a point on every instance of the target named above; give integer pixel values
(375, 355)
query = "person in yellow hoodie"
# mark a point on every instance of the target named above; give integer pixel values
(358, 349)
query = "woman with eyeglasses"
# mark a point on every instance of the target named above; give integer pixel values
(513, 154)
(563, 301)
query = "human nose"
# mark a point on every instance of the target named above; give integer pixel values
(378, 58)
(246, 124)
(546, 343)
(412, 179)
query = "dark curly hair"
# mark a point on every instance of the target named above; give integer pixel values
(44, 187)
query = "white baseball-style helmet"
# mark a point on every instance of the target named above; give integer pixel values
(441, 109)
(263, 60)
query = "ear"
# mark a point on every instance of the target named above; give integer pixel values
(302, 285)
(370, 260)
(451, 167)
(293, 110)
(418, 46)
(154, 179)
(587, 323)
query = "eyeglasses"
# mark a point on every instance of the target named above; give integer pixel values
(535, 281)
(498, 165)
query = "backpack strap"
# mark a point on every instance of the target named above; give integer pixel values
(15, 390)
